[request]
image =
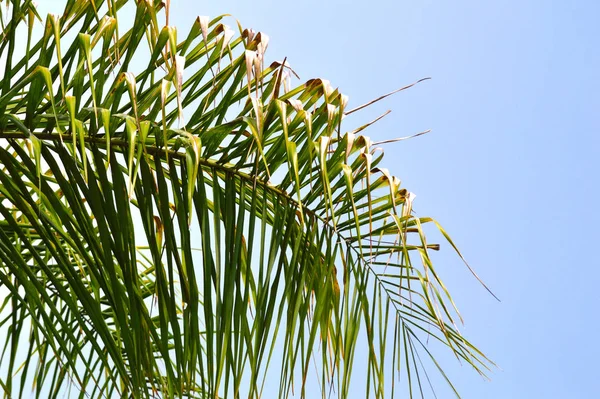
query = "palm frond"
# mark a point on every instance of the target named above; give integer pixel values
(176, 221)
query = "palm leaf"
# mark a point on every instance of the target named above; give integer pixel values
(195, 227)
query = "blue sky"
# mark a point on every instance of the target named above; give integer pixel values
(509, 168)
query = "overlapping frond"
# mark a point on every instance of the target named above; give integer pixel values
(178, 221)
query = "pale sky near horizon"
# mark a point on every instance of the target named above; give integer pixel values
(508, 168)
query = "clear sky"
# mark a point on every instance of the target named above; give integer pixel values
(509, 168)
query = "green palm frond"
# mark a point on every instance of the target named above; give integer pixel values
(177, 221)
